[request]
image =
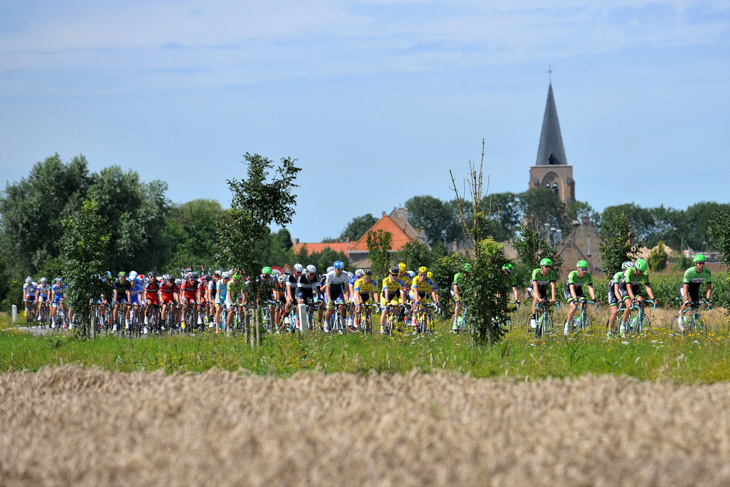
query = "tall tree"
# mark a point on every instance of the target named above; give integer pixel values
(192, 232)
(532, 248)
(698, 217)
(258, 201)
(439, 220)
(379, 245)
(357, 227)
(642, 222)
(618, 243)
(542, 206)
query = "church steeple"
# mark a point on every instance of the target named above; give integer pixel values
(551, 170)
(551, 152)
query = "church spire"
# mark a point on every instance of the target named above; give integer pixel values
(551, 151)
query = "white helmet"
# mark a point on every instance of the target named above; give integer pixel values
(311, 269)
(28, 280)
(330, 269)
(358, 273)
(298, 268)
(132, 275)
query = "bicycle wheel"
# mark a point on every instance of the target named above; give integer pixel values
(587, 323)
(643, 324)
(700, 324)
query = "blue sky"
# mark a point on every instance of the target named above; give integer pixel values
(377, 99)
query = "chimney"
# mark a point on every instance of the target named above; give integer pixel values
(383, 214)
(296, 241)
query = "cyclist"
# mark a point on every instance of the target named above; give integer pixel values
(122, 295)
(629, 289)
(291, 288)
(152, 296)
(690, 289)
(269, 289)
(392, 293)
(234, 296)
(363, 292)
(337, 291)
(169, 292)
(614, 297)
(30, 290)
(509, 269)
(58, 299)
(136, 292)
(44, 291)
(456, 293)
(221, 288)
(573, 291)
(537, 288)
(281, 287)
(423, 290)
(306, 288)
(189, 296)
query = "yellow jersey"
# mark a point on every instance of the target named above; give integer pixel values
(365, 288)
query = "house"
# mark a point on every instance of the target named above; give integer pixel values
(396, 223)
(582, 243)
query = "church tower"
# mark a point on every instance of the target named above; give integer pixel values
(551, 170)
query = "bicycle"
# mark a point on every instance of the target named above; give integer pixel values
(364, 317)
(545, 322)
(583, 321)
(43, 314)
(424, 318)
(460, 323)
(393, 321)
(31, 314)
(640, 323)
(694, 322)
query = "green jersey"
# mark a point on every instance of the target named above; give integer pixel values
(695, 279)
(541, 280)
(578, 282)
(630, 277)
(234, 290)
(458, 279)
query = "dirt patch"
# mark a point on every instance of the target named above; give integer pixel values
(76, 426)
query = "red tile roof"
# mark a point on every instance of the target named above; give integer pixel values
(314, 248)
(398, 240)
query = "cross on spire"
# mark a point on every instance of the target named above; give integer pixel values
(550, 72)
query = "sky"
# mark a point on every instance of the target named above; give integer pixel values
(376, 99)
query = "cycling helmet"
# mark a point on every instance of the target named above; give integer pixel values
(28, 280)
(140, 277)
(178, 282)
(367, 272)
(422, 270)
(467, 267)
(627, 265)
(402, 267)
(193, 275)
(266, 270)
(298, 268)
(59, 279)
(697, 258)
(226, 275)
(311, 269)
(642, 265)
(507, 267)
(283, 278)
(44, 280)
(152, 274)
(132, 275)
(332, 269)
(121, 274)
(582, 263)
(170, 278)
(338, 264)
(546, 262)
(218, 273)
(358, 273)
(411, 274)
(429, 275)
(236, 277)
(394, 270)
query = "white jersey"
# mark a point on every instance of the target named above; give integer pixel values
(30, 289)
(341, 280)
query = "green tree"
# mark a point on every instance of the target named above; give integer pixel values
(192, 234)
(540, 206)
(698, 217)
(486, 279)
(618, 243)
(84, 259)
(658, 258)
(34, 208)
(641, 219)
(719, 232)
(257, 201)
(415, 254)
(670, 227)
(531, 249)
(357, 227)
(379, 245)
(505, 215)
(439, 220)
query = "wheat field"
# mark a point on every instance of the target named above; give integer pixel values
(77, 426)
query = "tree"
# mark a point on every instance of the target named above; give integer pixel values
(670, 226)
(357, 227)
(540, 206)
(84, 259)
(192, 234)
(257, 202)
(719, 232)
(505, 215)
(486, 279)
(415, 254)
(379, 245)
(698, 218)
(658, 258)
(531, 249)
(618, 243)
(439, 221)
(34, 208)
(642, 222)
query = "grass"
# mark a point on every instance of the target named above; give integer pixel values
(658, 356)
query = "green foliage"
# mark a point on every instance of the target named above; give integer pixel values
(439, 220)
(84, 258)
(642, 221)
(192, 232)
(505, 214)
(415, 254)
(257, 202)
(379, 245)
(658, 258)
(618, 242)
(444, 268)
(540, 206)
(357, 227)
(719, 232)
(321, 260)
(531, 249)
